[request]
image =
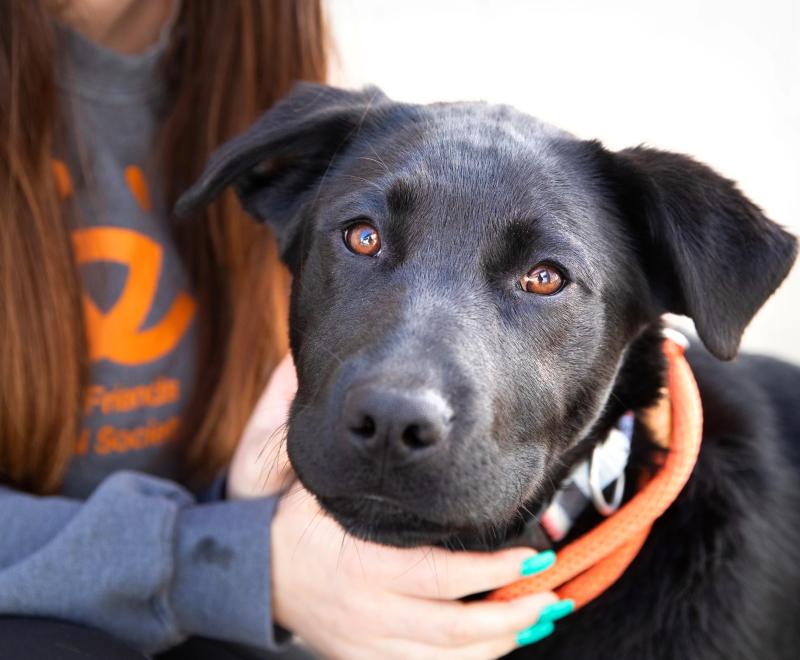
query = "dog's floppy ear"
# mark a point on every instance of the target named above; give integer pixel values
(708, 251)
(275, 164)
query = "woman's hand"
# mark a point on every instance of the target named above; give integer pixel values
(352, 599)
(260, 465)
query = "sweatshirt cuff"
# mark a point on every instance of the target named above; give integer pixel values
(222, 586)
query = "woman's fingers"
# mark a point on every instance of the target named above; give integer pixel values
(457, 624)
(442, 574)
(402, 647)
(497, 648)
(260, 465)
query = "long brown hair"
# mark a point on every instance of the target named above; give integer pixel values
(227, 62)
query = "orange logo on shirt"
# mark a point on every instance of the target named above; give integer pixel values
(117, 334)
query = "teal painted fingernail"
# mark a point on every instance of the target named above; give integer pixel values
(535, 633)
(538, 563)
(556, 611)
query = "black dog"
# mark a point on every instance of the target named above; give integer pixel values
(477, 300)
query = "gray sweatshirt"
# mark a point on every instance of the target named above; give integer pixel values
(125, 548)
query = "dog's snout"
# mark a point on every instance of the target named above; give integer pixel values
(404, 424)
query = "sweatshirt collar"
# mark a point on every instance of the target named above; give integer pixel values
(91, 70)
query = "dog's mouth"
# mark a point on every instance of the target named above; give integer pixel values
(382, 520)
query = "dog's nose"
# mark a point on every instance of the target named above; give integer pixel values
(405, 424)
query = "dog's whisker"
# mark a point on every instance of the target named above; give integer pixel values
(430, 556)
(268, 443)
(277, 452)
(341, 550)
(379, 159)
(328, 350)
(360, 561)
(412, 566)
(375, 160)
(350, 135)
(367, 181)
(274, 447)
(302, 536)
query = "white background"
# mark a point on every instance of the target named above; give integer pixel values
(717, 79)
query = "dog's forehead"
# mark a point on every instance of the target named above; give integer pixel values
(452, 144)
(481, 165)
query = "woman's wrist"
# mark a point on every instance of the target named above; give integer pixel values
(222, 582)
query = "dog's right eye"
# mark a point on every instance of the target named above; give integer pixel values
(362, 238)
(543, 280)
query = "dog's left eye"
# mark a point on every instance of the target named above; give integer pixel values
(362, 238)
(543, 280)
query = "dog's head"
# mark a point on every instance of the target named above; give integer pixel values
(467, 283)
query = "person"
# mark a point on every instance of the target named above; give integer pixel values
(137, 503)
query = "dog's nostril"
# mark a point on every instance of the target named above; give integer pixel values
(380, 421)
(365, 427)
(416, 437)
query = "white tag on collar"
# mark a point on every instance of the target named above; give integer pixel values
(587, 481)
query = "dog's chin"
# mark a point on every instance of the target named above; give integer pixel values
(380, 520)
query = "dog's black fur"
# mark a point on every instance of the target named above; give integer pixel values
(468, 197)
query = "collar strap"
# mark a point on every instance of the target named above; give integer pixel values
(589, 565)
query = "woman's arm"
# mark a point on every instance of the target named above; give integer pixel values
(141, 560)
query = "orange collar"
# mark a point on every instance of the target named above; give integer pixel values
(585, 568)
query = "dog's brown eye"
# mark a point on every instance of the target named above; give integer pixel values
(543, 280)
(362, 238)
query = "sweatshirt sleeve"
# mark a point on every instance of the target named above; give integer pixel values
(140, 559)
